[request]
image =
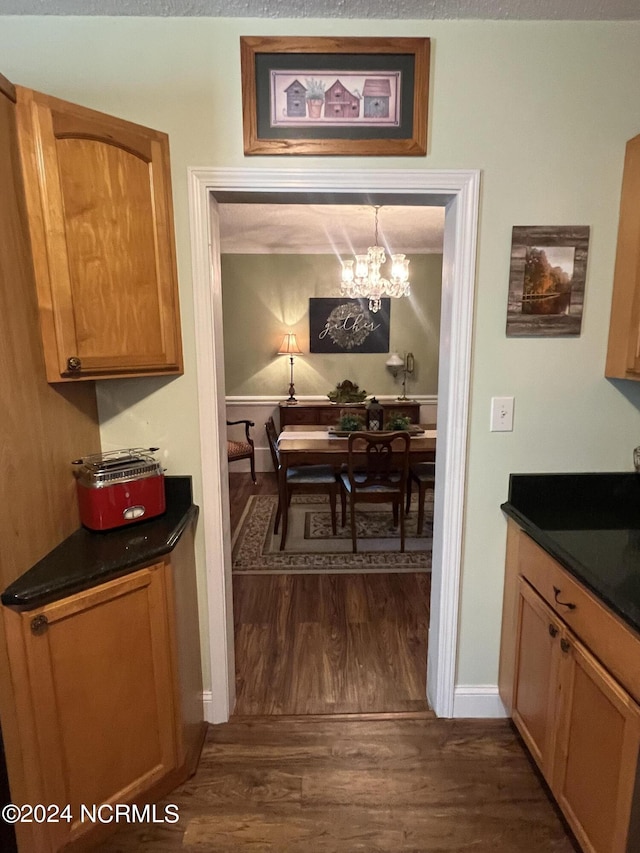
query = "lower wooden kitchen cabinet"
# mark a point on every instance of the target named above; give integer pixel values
(581, 727)
(108, 689)
(578, 720)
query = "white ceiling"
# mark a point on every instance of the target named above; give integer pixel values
(328, 228)
(572, 10)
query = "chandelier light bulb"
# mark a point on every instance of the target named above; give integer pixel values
(399, 269)
(362, 266)
(347, 272)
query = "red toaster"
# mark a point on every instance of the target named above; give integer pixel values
(119, 487)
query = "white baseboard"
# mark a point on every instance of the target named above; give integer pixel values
(478, 700)
(207, 701)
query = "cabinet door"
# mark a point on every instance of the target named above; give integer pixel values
(93, 675)
(597, 752)
(623, 353)
(536, 676)
(100, 215)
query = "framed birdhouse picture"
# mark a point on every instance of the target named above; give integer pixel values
(363, 96)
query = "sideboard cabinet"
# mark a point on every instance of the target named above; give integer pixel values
(327, 414)
(623, 353)
(569, 677)
(99, 205)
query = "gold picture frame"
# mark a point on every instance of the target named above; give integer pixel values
(373, 95)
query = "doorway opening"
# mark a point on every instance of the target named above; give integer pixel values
(458, 193)
(319, 630)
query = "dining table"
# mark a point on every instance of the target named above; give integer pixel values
(305, 444)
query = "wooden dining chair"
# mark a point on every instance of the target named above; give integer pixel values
(424, 475)
(305, 479)
(377, 472)
(243, 448)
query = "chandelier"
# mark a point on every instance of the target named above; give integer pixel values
(362, 279)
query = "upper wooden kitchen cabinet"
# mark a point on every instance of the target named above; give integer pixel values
(623, 354)
(98, 194)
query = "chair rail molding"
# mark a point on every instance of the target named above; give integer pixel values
(458, 191)
(251, 400)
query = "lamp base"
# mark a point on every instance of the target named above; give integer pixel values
(291, 398)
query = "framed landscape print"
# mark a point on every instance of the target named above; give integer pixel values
(364, 96)
(547, 280)
(347, 326)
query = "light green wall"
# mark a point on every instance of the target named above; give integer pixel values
(543, 109)
(264, 296)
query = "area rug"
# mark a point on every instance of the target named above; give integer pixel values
(312, 548)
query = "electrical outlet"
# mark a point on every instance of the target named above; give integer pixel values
(501, 414)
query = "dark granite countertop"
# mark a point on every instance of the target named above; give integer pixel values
(590, 523)
(86, 558)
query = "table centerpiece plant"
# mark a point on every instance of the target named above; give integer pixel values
(397, 421)
(347, 392)
(348, 422)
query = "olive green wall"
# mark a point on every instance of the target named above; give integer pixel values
(265, 296)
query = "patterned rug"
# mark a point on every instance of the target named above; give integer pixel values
(312, 548)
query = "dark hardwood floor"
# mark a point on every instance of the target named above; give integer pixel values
(327, 644)
(304, 785)
(335, 783)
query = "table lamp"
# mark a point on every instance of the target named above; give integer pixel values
(406, 365)
(289, 346)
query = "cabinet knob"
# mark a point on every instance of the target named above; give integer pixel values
(565, 645)
(74, 364)
(553, 631)
(39, 624)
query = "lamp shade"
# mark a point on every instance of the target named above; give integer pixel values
(289, 345)
(394, 360)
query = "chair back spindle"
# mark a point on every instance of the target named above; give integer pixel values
(385, 462)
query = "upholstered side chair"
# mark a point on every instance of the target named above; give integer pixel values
(242, 448)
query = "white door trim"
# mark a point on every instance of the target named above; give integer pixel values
(459, 192)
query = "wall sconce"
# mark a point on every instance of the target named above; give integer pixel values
(289, 346)
(407, 365)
